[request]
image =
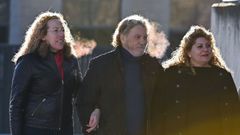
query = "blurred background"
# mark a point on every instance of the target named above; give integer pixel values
(95, 20)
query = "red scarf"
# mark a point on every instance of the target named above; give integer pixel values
(59, 62)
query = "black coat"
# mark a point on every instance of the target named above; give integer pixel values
(196, 101)
(103, 88)
(39, 97)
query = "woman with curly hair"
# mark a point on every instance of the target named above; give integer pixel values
(46, 78)
(199, 96)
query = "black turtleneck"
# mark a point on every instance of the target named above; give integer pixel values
(134, 92)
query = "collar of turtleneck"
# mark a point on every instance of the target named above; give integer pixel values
(59, 62)
(128, 56)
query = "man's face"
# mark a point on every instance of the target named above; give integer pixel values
(135, 40)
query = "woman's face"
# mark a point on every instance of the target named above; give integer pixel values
(55, 35)
(200, 53)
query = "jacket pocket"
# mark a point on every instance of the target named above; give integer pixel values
(38, 106)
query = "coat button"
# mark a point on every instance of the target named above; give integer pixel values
(177, 101)
(179, 71)
(220, 74)
(225, 87)
(177, 85)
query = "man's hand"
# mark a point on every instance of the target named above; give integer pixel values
(93, 123)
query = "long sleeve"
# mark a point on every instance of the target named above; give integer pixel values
(78, 79)
(20, 83)
(231, 107)
(158, 106)
(87, 99)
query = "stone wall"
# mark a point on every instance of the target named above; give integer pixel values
(225, 25)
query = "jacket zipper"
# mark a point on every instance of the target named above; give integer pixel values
(60, 116)
(35, 110)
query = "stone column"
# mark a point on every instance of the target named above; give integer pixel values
(22, 14)
(156, 10)
(225, 25)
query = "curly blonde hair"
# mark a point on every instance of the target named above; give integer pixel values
(180, 57)
(36, 32)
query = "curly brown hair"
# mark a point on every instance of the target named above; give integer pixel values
(38, 29)
(180, 57)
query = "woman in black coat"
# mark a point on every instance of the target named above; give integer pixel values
(199, 96)
(45, 78)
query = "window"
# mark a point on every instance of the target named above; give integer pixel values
(94, 19)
